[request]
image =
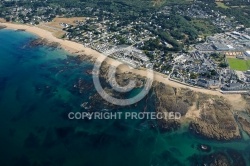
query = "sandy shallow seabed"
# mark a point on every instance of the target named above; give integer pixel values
(235, 99)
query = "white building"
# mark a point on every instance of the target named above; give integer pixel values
(247, 53)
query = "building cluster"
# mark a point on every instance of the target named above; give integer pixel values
(200, 69)
(233, 41)
(130, 55)
(29, 15)
(94, 33)
(195, 11)
(221, 21)
(34, 14)
(103, 35)
(196, 69)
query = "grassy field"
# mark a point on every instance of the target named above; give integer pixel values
(203, 26)
(238, 64)
(55, 27)
(56, 22)
(222, 5)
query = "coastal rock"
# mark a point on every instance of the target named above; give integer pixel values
(219, 160)
(245, 124)
(213, 131)
(122, 78)
(216, 119)
(43, 42)
(214, 159)
(169, 99)
(247, 99)
(244, 121)
(2, 27)
(236, 157)
(96, 99)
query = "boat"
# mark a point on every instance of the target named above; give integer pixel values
(204, 147)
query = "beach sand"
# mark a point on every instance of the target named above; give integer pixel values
(74, 48)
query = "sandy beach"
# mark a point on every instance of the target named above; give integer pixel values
(69, 46)
(74, 47)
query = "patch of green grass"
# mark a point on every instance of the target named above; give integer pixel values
(238, 64)
(222, 5)
(204, 27)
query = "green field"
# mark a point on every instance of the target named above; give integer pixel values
(238, 64)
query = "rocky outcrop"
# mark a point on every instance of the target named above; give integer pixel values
(214, 131)
(219, 160)
(121, 78)
(43, 42)
(244, 124)
(216, 120)
(243, 121)
(171, 99)
(247, 99)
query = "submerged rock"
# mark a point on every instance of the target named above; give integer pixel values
(43, 42)
(236, 157)
(218, 160)
(245, 124)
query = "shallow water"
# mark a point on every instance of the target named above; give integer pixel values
(36, 94)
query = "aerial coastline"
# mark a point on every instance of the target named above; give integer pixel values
(76, 48)
(79, 49)
(161, 82)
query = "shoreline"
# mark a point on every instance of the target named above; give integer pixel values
(76, 48)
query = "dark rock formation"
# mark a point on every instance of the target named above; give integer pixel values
(170, 99)
(216, 119)
(43, 42)
(219, 160)
(245, 124)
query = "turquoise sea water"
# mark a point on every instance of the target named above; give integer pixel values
(36, 94)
